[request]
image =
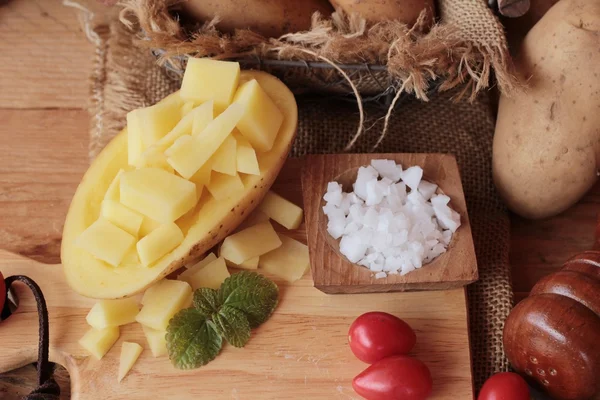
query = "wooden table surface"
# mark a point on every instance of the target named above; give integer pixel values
(45, 62)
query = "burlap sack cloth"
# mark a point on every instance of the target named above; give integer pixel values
(126, 78)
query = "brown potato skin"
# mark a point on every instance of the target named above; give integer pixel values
(270, 18)
(406, 11)
(546, 151)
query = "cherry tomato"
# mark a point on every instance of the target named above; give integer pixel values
(2, 292)
(376, 335)
(394, 378)
(504, 386)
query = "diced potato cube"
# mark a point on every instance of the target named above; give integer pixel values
(158, 243)
(167, 299)
(148, 225)
(113, 192)
(186, 108)
(99, 341)
(183, 127)
(248, 264)
(157, 194)
(225, 158)
(107, 313)
(262, 119)
(289, 261)
(129, 355)
(202, 177)
(190, 158)
(256, 217)
(210, 276)
(247, 163)
(181, 141)
(105, 241)
(157, 341)
(222, 186)
(249, 243)
(123, 217)
(159, 119)
(197, 267)
(134, 137)
(205, 79)
(204, 116)
(281, 210)
(130, 259)
(153, 159)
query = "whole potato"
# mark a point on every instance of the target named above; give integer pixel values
(406, 11)
(547, 144)
(270, 18)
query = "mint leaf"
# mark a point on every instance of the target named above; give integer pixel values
(251, 293)
(192, 340)
(207, 300)
(233, 325)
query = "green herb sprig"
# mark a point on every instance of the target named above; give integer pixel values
(244, 301)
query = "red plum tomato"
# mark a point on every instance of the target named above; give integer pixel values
(376, 335)
(394, 378)
(504, 386)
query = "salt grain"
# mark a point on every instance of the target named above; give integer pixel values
(386, 227)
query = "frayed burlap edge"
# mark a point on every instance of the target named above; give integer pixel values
(415, 56)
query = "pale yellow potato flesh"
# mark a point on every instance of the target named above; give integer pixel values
(210, 223)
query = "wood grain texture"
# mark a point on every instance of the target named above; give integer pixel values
(539, 248)
(44, 55)
(302, 351)
(333, 273)
(44, 155)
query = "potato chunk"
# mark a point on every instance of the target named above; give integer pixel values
(225, 158)
(262, 119)
(223, 186)
(247, 163)
(106, 241)
(159, 119)
(134, 137)
(190, 158)
(196, 267)
(122, 217)
(256, 217)
(99, 341)
(281, 210)
(249, 243)
(166, 300)
(184, 127)
(210, 276)
(158, 243)
(205, 79)
(290, 261)
(157, 194)
(107, 313)
(129, 355)
(157, 341)
(148, 225)
(113, 192)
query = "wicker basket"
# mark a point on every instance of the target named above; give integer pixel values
(468, 39)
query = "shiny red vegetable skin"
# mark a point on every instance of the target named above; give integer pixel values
(2, 292)
(394, 378)
(504, 386)
(376, 335)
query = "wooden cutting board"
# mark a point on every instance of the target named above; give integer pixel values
(301, 352)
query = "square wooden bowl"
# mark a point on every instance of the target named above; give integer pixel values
(333, 273)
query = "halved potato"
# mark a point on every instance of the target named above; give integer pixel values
(210, 222)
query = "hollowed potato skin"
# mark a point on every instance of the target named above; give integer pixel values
(206, 226)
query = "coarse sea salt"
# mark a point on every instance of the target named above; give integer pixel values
(393, 222)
